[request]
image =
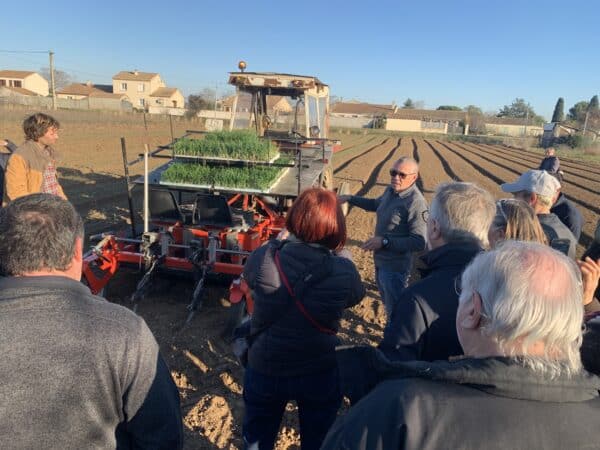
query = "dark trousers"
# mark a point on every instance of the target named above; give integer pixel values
(317, 395)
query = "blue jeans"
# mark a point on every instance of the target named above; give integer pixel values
(318, 397)
(390, 284)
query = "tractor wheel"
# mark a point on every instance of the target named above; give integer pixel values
(344, 189)
(327, 178)
(237, 313)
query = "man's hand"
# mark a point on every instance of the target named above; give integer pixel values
(590, 274)
(375, 243)
(3, 143)
(343, 199)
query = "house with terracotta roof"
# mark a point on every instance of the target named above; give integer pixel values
(426, 121)
(146, 89)
(78, 91)
(166, 96)
(358, 109)
(511, 126)
(32, 82)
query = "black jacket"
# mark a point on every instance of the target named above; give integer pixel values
(568, 214)
(489, 403)
(550, 164)
(422, 322)
(590, 348)
(289, 344)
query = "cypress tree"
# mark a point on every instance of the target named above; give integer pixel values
(593, 104)
(559, 110)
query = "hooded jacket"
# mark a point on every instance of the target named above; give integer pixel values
(288, 343)
(487, 403)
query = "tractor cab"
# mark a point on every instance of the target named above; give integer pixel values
(280, 106)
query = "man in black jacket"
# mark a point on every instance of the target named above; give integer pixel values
(521, 383)
(422, 323)
(76, 371)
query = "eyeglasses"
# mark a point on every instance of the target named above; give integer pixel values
(396, 173)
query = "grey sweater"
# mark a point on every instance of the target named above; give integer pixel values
(400, 219)
(78, 372)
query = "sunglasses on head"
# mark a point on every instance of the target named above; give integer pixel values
(396, 173)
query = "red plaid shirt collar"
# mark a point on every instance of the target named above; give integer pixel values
(49, 178)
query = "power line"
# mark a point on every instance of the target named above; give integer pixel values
(24, 51)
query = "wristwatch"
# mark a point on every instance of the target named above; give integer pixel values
(385, 242)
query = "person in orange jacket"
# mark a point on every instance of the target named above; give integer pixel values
(32, 166)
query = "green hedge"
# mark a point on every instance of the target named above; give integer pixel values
(238, 144)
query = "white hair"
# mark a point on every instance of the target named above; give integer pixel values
(530, 293)
(463, 211)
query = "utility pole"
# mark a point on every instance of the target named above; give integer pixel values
(526, 119)
(216, 86)
(587, 113)
(51, 55)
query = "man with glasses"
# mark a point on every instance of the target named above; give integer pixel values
(539, 189)
(422, 322)
(520, 383)
(399, 231)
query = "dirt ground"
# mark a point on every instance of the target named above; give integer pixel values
(208, 377)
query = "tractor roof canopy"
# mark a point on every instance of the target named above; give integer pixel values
(278, 83)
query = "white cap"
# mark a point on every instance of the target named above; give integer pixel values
(539, 182)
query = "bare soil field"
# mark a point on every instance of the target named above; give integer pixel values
(207, 374)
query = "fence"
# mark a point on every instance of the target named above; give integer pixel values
(90, 103)
(350, 122)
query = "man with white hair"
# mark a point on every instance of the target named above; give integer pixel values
(399, 231)
(520, 384)
(540, 189)
(422, 322)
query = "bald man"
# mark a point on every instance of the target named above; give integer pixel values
(400, 229)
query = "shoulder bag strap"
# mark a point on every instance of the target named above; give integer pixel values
(298, 303)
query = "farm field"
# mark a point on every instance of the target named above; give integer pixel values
(209, 379)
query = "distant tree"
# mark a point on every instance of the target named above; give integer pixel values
(559, 110)
(205, 99)
(518, 109)
(594, 114)
(472, 109)
(578, 111)
(61, 79)
(408, 104)
(333, 99)
(475, 119)
(449, 108)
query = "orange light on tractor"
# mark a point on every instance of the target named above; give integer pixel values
(242, 65)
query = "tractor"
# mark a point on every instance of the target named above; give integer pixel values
(205, 229)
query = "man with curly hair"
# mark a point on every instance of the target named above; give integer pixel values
(32, 167)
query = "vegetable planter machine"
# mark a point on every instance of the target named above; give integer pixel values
(199, 230)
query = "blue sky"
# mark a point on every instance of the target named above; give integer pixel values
(440, 52)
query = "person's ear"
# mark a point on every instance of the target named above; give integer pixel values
(533, 199)
(472, 319)
(78, 253)
(434, 230)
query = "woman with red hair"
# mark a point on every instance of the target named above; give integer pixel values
(300, 287)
